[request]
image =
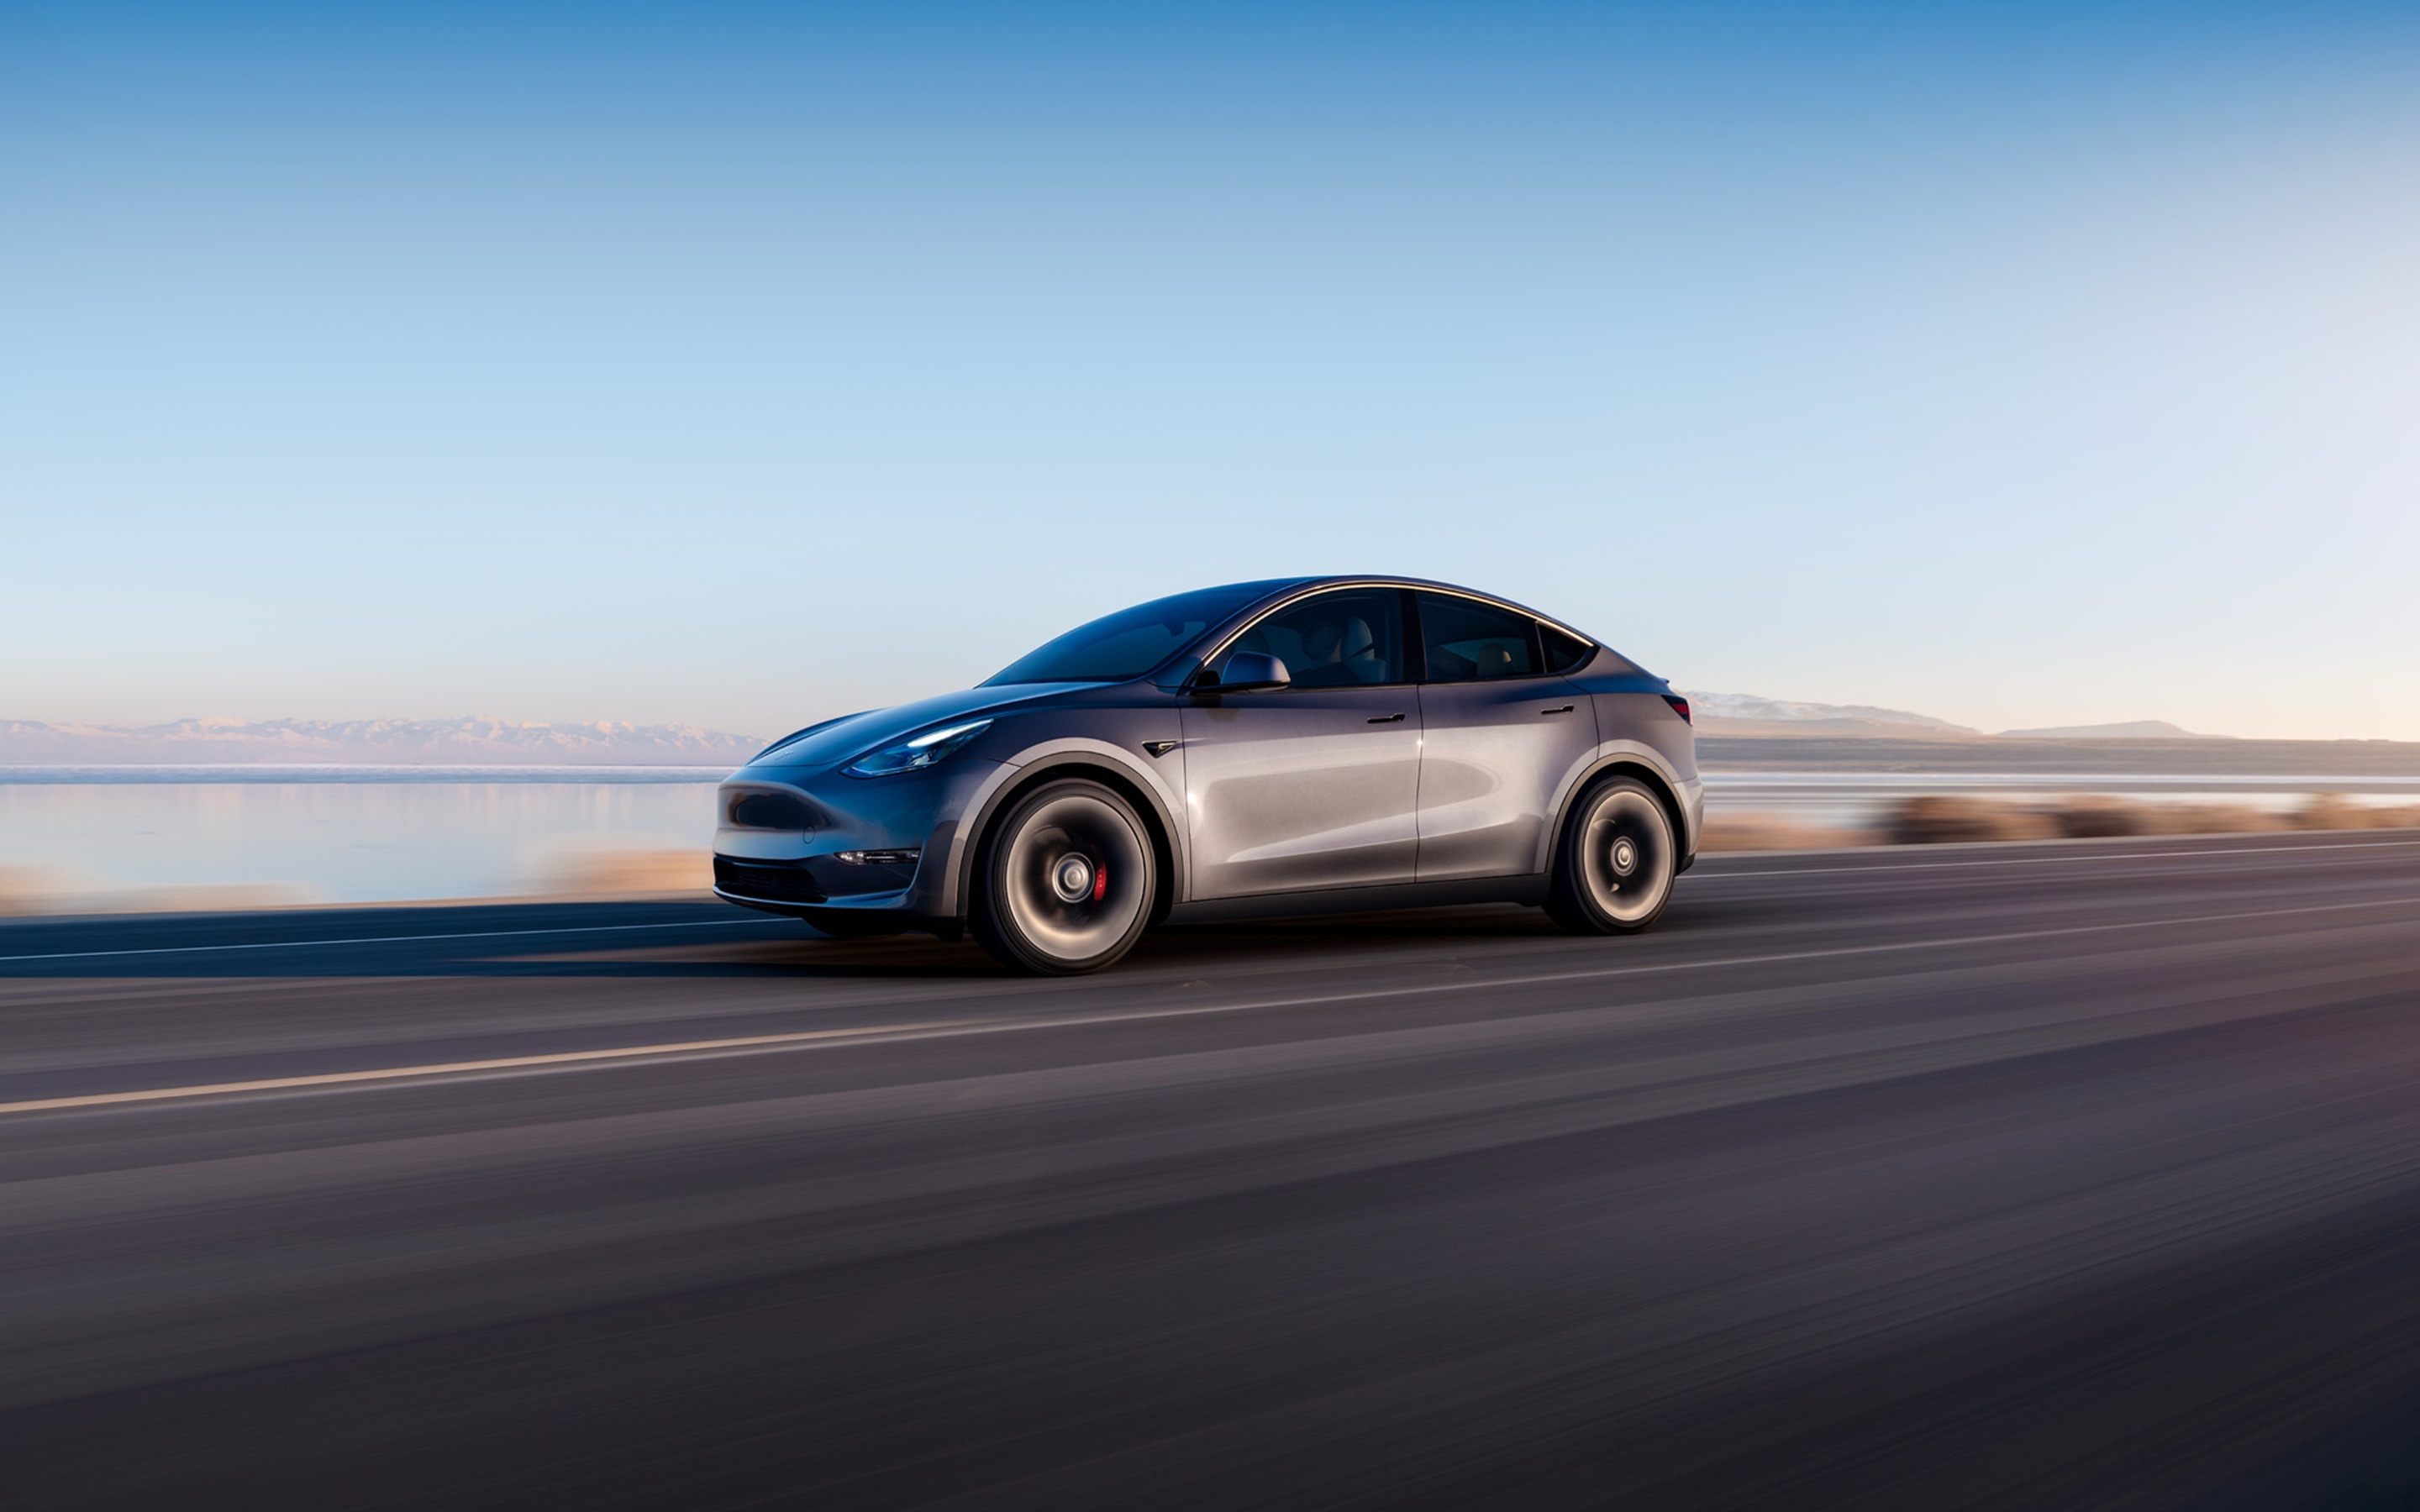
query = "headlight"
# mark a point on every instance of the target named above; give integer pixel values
(917, 751)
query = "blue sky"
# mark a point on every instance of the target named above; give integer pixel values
(2020, 365)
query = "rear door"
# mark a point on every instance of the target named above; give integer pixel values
(1499, 733)
(1316, 785)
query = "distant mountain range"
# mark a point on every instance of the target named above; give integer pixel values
(504, 742)
(2132, 729)
(1746, 713)
(1711, 709)
(383, 742)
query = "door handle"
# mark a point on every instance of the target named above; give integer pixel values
(1565, 709)
(1391, 718)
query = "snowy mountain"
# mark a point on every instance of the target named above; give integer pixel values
(383, 742)
(1746, 713)
(2130, 730)
(1715, 710)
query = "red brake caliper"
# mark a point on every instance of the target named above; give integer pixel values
(1100, 885)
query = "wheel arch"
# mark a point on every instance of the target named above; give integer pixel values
(1621, 764)
(1158, 824)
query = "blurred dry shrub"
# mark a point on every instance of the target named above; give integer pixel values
(608, 874)
(193, 897)
(1948, 821)
(26, 890)
(1936, 821)
(2330, 810)
(1774, 832)
(2095, 818)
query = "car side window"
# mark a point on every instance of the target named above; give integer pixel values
(1468, 641)
(1339, 640)
(1563, 651)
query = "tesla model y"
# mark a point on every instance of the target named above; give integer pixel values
(1292, 746)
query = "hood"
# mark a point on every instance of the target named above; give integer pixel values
(839, 740)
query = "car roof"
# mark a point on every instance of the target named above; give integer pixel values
(1274, 588)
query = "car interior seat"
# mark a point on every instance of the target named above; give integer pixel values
(1359, 651)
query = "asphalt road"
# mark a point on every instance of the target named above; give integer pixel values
(2025, 1175)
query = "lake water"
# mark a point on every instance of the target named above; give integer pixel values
(111, 837)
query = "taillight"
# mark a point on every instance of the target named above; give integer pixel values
(1680, 706)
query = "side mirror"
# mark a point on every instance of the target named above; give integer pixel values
(1250, 672)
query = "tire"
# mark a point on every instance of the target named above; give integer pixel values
(1067, 881)
(1614, 869)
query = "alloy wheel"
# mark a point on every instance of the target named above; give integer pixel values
(1071, 880)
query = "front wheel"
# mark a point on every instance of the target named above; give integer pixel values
(1614, 871)
(1067, 881)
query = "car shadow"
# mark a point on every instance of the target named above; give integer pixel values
(679, 940)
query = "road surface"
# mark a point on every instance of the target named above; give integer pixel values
(1997, 1176)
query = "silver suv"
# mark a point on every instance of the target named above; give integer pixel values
(1288, 746)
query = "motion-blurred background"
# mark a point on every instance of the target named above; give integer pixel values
(560, 391)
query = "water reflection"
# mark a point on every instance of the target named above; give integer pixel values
(118, 843)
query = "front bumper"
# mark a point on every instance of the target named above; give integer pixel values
(772, 885)
(841, 848)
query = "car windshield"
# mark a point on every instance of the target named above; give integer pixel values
(1132, 642)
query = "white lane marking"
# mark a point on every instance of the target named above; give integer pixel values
(1773, 958)
(954, 1028)
(1852, 868)
(380, 939)
(457, 1068)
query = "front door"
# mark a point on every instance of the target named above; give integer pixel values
(1316, 785)
(1500, 735)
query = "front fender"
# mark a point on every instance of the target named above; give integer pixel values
(1161, 790)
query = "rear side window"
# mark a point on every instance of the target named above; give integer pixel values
(1473, 642)
(1333, 640)
(1563, 651)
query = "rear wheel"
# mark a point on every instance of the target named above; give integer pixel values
(1067, 881)
(1614, 871)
